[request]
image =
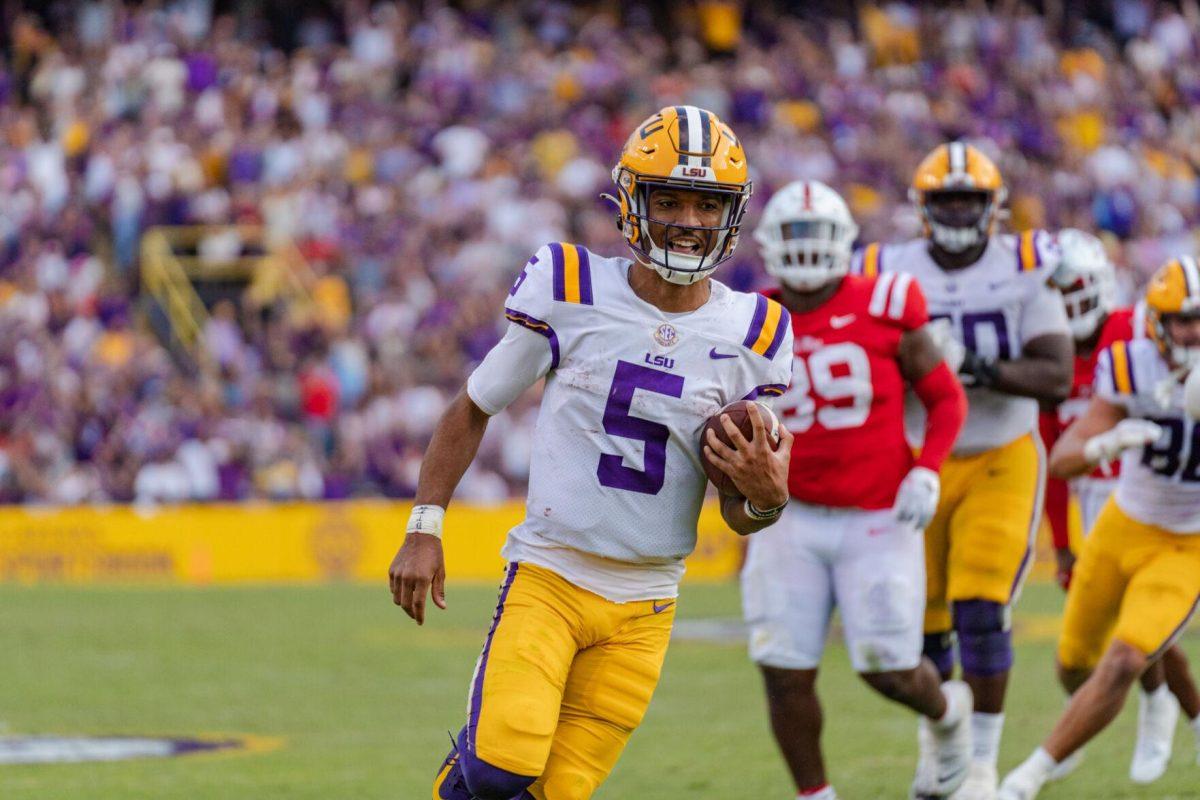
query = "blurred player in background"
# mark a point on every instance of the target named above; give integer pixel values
(636, 357)
(852, 538)
(1088, 283)
(1137, 581)
(1009, 333)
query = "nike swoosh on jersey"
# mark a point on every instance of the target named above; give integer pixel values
(841, 321)
(714, 354)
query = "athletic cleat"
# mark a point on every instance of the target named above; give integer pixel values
(1023, 783)
(980, 783)
(945, 749)
(926, 777)
(450, 783)
(1157, 714)
(1066, 766)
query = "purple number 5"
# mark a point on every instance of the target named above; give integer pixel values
(618, 422)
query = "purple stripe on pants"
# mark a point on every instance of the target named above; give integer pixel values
(477, 686)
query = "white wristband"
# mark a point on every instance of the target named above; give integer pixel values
(762, 515)
(426, 519)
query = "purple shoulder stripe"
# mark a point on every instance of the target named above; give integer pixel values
(537, 326)
(756, 324)
(585, 275)
(560, 283)
(785, 322)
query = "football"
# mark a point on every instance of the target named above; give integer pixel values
(739, 414)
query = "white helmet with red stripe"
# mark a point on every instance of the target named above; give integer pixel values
(1087, 281)
(806, 235)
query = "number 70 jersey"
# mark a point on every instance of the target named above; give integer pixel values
(995, 307)
(615, 468)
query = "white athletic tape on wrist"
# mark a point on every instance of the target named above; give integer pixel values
(426, 519)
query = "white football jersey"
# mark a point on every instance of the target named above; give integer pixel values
(1159, 483)
(615, 477)
(995, 306)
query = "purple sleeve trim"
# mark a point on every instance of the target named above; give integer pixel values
(537, 326)
(767, 389)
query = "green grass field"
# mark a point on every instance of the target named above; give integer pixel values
(362, 699)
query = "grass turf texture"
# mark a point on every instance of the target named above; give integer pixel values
(362, 699)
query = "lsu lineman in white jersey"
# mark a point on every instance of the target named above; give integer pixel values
(615, 477)
(993, 308)
(1137, 581)
(1009, 331)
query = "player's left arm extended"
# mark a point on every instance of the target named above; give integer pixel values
(1043, 372)
(759, 472)
(518, 361)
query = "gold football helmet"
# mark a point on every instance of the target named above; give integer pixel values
(959, 192)
(682, 147)
(1174, 290)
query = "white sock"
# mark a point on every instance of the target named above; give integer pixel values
(1157, 694)
(985, 731)
(954, 710)
(826, 792)
(1041, 761)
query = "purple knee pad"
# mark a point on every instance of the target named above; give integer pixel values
(486, 782)
(939, 648)
(984, 638)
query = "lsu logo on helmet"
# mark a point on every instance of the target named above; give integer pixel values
(958, 191)
(684, 148)
(1173, 290)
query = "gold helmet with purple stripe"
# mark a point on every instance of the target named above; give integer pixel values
(682, 148)
(1174, 291)
(958, 191)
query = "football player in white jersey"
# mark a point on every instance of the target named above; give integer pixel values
(1137, 581)
(1009, 331)
(637, 355)
(1088, 283)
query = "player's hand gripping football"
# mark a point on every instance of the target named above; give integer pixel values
(418, 567)
(758, 471)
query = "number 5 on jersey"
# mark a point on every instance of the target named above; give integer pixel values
(831, 386)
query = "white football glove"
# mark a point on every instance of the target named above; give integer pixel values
(952, 349)
(917, 497)
(1128, 433)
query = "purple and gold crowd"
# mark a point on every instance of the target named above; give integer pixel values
(417, 154)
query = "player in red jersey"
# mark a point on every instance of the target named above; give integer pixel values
(852, 535)
(1088, 284)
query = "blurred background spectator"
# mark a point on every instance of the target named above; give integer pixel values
(418, 153)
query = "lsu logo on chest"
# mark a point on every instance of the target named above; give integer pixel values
(659, 361)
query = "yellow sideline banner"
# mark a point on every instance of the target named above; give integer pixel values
(277, 542)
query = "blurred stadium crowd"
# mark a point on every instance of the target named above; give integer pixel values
(418, 156)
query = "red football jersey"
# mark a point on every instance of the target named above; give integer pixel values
(846, 401)
(1118, 326)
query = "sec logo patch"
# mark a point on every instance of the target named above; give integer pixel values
(666, 335)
